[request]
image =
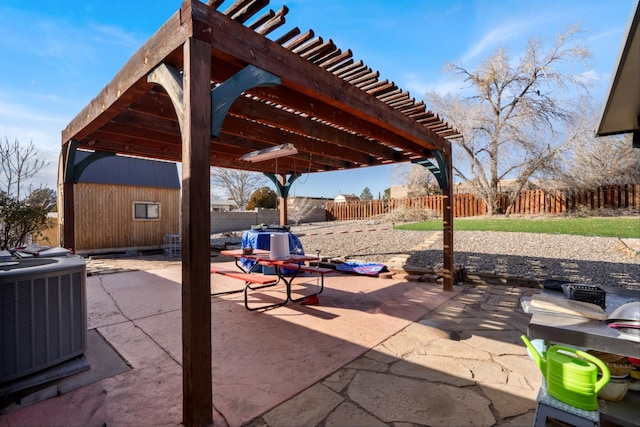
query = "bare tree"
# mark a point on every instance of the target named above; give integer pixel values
(18, 164)
(418, 179)
(44, 197)
(510, 125)
(238, 184)
(596, 161)
(302, 208)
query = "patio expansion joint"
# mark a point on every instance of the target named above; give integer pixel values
(136, 325)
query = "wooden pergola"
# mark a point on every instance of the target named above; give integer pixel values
(210, 86)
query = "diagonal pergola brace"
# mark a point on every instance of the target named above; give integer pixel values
(283, 185)
(171, 80)
(227, 92)
(84, 163)
(282, 190)
(69, 161)
(439, 170)
(222, 96)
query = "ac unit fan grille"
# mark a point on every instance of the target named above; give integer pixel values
(42, 321)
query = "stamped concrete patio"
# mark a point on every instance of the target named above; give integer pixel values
(373, 352)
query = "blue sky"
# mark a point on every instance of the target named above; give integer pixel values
(57, 55)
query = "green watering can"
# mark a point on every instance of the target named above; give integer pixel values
(571, 375)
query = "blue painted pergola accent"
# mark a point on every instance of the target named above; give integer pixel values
(226, 93)
(282, 190)
(222, 96)
(72, 170)
(440, 170)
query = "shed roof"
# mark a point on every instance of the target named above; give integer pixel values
(123, 170)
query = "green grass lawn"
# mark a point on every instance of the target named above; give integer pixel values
(624, 227)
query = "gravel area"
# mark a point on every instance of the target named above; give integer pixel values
(583, 259)
(594, 260)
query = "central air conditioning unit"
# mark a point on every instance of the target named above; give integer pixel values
(43, 314)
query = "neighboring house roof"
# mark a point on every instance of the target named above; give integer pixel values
(123, 170)
(622, 109)
(398, 191)
(346, 197)
(225, 202)
(322, 199)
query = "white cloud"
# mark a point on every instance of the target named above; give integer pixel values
(590, 76)
(21, 113)
(416, 84)
(114, 35)
(419, 85)
(614, 32)
(56, 62)
(42, 127)
(496, 37)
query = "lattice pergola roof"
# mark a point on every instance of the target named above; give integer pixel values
(336, 111)
(209, 87)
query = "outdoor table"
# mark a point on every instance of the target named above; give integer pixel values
(261, 239)
(594, 335)
(286, 276)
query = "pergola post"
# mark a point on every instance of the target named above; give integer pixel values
(283, 185)
(282, 200)
(200, 111)
(67, 217)
(443, 170)
(447, 224)
(196, 226)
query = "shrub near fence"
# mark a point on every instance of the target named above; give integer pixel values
(527, 202)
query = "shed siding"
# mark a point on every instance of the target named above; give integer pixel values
(51, 234)
(104, 216)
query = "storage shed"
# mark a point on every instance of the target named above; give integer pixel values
(123, 203)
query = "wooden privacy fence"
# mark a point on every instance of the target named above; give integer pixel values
(625, 196)
(527, 202)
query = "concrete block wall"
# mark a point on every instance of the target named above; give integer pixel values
(307, 209)
(222, 222)
(235, 221)
(316, 215)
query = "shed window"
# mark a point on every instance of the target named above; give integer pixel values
(146, 210)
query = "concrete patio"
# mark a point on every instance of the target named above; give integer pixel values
(373, 352)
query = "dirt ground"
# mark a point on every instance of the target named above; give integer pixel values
(113, 264)
(146, 262)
